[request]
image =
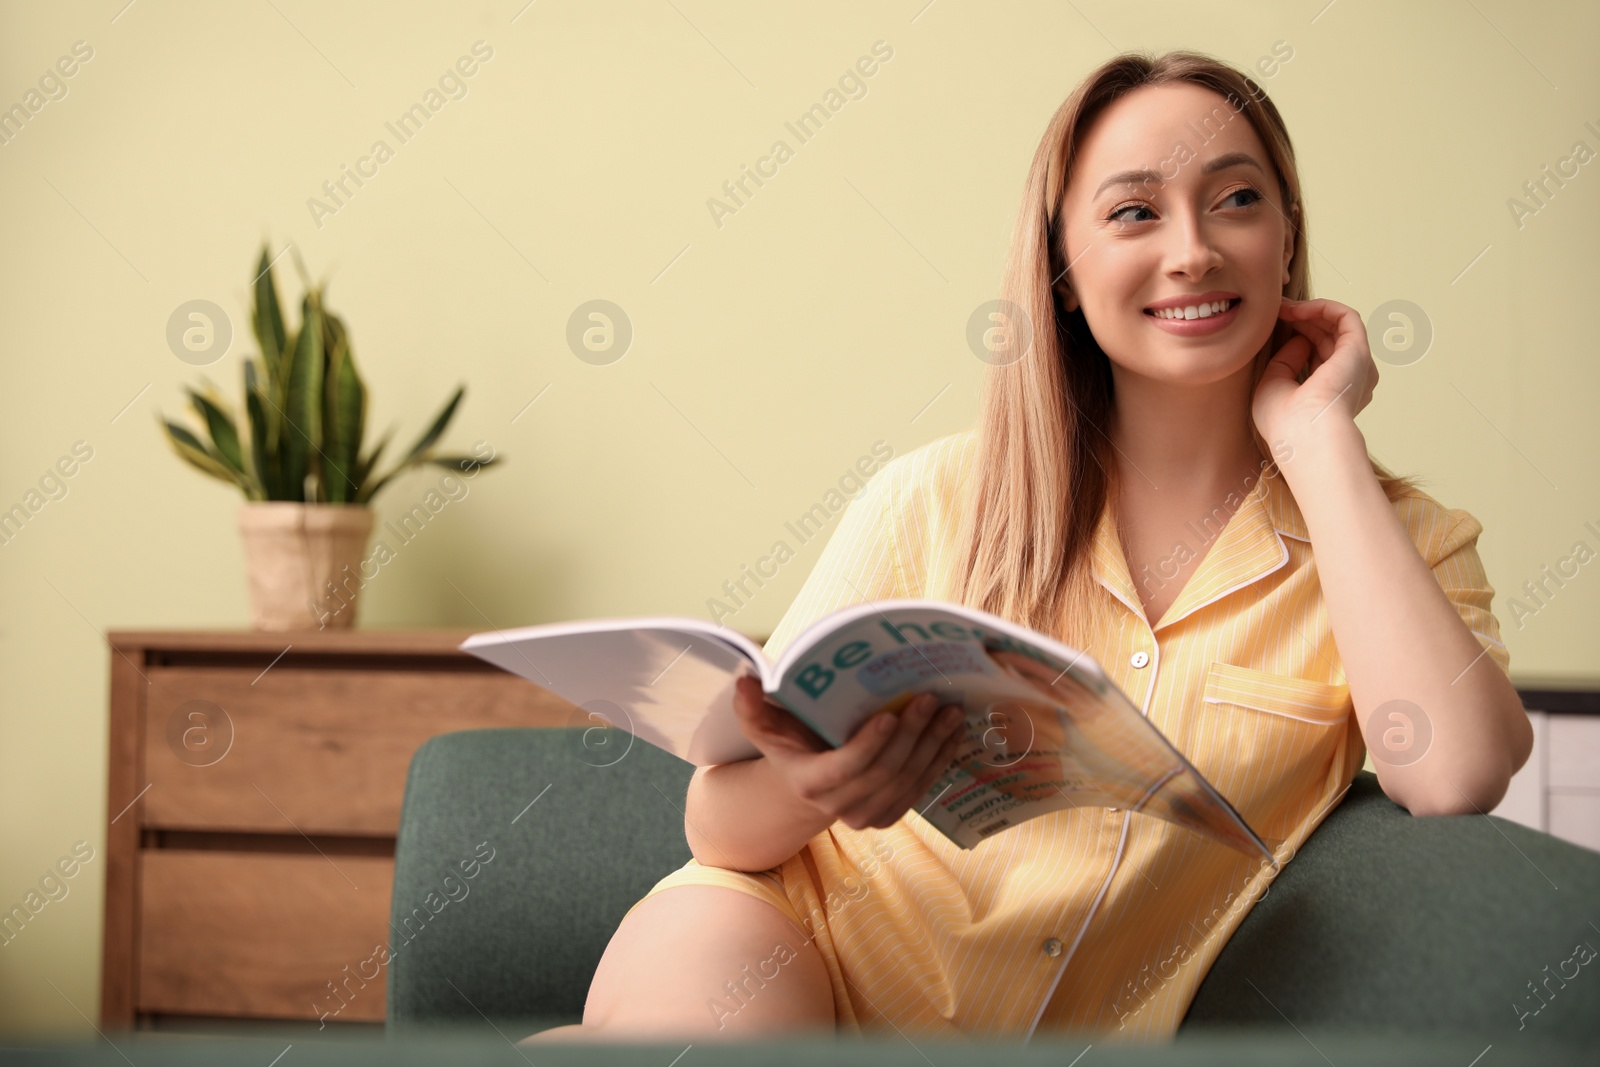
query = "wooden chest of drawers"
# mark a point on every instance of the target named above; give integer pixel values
(254, 793)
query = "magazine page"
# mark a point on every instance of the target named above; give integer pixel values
(1046, 729)
(668, 681)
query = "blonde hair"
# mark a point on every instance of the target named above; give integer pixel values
(1044, 467)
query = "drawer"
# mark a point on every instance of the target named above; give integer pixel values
(1574, 752)
(261, 935)
(311, 751)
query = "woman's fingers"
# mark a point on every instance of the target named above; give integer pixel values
(754, 720)
(771, 728)
(886, 814)
(837, 774)
(1329, 322)
(1319, 316)
(860, 781)
(938, 763)
(946, 728)
(889, 762)
(935, 749)
(1330, 310)
(1315, 329)
(914, 719)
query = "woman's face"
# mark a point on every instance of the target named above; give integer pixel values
(1206, 224)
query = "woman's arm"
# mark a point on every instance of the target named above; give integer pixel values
(1401, 639)
(743, 816)
(1398, 634)
(754, 814)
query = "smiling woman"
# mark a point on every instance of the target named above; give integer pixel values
(1124, 220)
(1163, 235)
(1162, 187)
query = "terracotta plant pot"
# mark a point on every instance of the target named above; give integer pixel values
(304, 563)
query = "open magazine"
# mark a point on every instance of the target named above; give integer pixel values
(1046, 728)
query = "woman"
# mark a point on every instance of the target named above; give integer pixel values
(1184, 494)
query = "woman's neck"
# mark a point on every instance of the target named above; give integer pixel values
(1188, 442)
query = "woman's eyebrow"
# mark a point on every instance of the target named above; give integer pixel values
(1150, 177)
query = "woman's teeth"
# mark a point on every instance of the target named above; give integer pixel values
(1199, 311)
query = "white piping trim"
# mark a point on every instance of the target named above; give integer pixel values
(1235, 588)
(1116, 861)
(1136, 609)
(1334, 721)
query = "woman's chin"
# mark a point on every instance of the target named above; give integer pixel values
(1193, 369)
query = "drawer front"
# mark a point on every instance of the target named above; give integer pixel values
(309, 751)
(262, 935)
(1574, 752)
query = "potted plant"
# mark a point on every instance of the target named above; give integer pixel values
(298, 459)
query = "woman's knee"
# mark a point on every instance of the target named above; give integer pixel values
(709, 960)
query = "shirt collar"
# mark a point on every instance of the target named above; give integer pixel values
(1248, 548)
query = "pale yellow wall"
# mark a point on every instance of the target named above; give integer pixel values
(827, 314)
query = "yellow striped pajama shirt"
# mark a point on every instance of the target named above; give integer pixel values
(1091, 918)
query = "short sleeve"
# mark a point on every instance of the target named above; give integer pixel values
(858, 564)
(1460, 574)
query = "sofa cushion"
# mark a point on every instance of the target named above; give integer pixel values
(580, 823)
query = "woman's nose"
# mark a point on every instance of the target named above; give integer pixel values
(1192, 249)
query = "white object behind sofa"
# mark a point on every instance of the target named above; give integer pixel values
(1558, 790)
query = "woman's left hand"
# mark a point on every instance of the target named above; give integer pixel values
(1340, 382)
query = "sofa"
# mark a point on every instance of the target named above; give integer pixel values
(520, 850)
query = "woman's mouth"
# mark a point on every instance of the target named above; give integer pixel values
(1202, 317)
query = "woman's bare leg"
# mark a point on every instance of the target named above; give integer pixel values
(704, 961)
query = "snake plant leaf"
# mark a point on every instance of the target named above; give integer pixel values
(461, 464)
(418, 454)
(344, 420)
(365, 467)
(435, 431)
(371, 492)
(396, 471)
(267, 318)
(302, 407)
(261, 461)
(224, 432)
(333, 331)
(299, 435)
(191, 449)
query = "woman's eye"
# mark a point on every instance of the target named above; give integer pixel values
(1116, 216)
(1119, 214)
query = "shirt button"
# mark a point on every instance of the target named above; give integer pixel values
(1140, 658)
(1052, 948)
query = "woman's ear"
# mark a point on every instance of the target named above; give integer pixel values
(1069, 299)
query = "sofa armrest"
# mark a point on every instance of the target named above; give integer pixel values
(1444, 924)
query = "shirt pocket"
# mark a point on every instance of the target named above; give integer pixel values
(1267, 742)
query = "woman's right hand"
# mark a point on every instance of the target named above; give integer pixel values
(870, 780)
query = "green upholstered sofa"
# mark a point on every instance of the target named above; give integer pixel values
(519, 851)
